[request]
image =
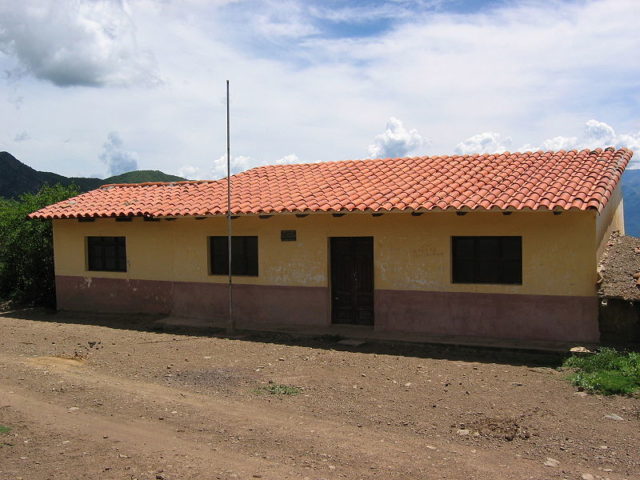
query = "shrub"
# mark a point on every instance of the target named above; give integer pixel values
(279, 389)
(609, 372)
(26, 247)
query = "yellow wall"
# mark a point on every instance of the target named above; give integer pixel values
(610, 219)
(410, 253)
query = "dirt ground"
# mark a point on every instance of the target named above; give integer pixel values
(86, 400)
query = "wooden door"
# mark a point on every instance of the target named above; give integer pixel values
(352, 280)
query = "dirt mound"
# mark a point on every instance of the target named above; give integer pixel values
(501, 428)
(619, 263)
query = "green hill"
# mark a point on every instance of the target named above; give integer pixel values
(140, 176)
(17, 178)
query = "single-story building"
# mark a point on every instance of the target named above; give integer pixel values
(503, 245)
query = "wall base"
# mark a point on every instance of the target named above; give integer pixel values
(525, 317)
(532, 317)
(253, 304)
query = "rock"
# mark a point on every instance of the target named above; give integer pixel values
(581, 394)
(613, 416)
(551, 462)
(463, 432)
(73, 409)
(580, 350)
(587, 476)
(408, 384)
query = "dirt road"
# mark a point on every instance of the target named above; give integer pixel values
(88, 401)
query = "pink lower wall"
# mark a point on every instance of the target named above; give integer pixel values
(252, 303)
(533, 317)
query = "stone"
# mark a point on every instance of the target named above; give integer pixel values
(613, 416)
(580, 350)
(463, 432)
(587, 476)
(551, 462)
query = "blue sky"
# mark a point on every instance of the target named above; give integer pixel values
(94, 87)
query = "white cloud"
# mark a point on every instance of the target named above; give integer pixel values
(599, 132)
(486, 142)
(239, 163)
(595, 134)
(78, 42)
(288, 159)
(189, 172)
(556, 143)
(117, 159)
(22, 137)
(396, 141)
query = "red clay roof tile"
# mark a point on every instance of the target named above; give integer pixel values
(531, 180)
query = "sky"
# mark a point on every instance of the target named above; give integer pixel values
(100, 87)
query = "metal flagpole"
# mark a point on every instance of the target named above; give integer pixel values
(231, 327)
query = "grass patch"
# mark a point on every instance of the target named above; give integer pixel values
(608, 372)
(4, 429)
(279, 389)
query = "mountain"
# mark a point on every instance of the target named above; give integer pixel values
(631, 199)
(141, 176)
(17, 178)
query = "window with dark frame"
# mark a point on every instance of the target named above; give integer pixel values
(487, 260)
(244, 256)
(107, 254)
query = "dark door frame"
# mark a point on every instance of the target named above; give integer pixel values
(351, 262)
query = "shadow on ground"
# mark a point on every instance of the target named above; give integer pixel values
(152, 323)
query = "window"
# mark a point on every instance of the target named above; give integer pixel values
(107, 254)
(244, 256)
(288, 235)
(487, 260)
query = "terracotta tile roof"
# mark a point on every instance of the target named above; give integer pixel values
(521, 181)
